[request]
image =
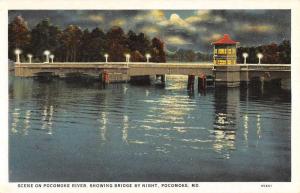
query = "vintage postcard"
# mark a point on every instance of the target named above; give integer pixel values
(188, 97)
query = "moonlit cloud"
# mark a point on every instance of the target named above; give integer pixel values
(189, 29)
(176, 40)
(262, 28)
(118, 22)
(211, 38)
(97, 18)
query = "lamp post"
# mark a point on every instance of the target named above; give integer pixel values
(127, 59)
(106, 58)
(29, 57)
(260, 56)
(47, 53)
(51, 57)
(245, 55)
(148, 56)
(18, 52)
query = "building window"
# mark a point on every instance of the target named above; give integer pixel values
(221, 51)
(215, 51)
(229, 61)
(221, 61)
(229, 51)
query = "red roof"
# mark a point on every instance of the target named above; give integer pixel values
(225, 40)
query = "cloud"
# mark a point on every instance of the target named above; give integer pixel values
(152, 16)
(97, 18)
(211, 38)
(118, 22)
(176, 40)
(202, 16)
(157, 15)
(151, 30)
(256, 28)
(175, 22)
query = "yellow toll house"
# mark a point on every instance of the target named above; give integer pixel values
(225, 51)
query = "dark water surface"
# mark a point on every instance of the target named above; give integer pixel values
(61, 131)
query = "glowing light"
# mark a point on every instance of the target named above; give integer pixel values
(18, 52)
(245, 55)
(47, 53)
(29, 57)
(106, 57)
(260, 56)
(51, 57)
(127, 57)
(148, 56)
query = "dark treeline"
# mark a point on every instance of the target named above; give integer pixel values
(73, 44)
(272, 53)
(188, 55)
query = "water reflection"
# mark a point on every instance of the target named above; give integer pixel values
(258, 128)
(27, 122)
(125, 129)
(226, 110)
(145, 130)
(15, 120)
(103, 125)
(18, 126)
(246, 131)
(47, 119)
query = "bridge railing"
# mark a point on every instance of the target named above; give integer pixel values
(264, 67)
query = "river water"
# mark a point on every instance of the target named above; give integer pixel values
(62, 131)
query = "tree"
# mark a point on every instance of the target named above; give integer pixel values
(70, 40)
(285, 52)
(85, 46)
(157, 51)
(18, 36)
(97, 45)
(44, 37)
(116, 44)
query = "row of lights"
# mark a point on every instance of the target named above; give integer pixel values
(259, 56)
(46, 53)
(51, 56)
(148, 56)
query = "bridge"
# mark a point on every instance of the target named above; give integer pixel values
(229, 75)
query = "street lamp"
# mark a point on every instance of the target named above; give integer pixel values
(127, 57)
(18, 52)
(29, 57)
(245, 55)
(148, 56)
(51, 57)
(47, 53)
(259, 55)
(106, 58)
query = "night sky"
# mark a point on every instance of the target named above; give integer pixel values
(189, 29)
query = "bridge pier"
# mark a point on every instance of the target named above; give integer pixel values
(228, 76)
(190, 84)
(161, 77)
(201, 82)
(285, 84)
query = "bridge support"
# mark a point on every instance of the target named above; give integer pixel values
(202, 82)
(190, 84)
(286, 84)
(162, 78)
(228, 76)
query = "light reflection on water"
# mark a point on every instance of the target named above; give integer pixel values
(144, 133)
